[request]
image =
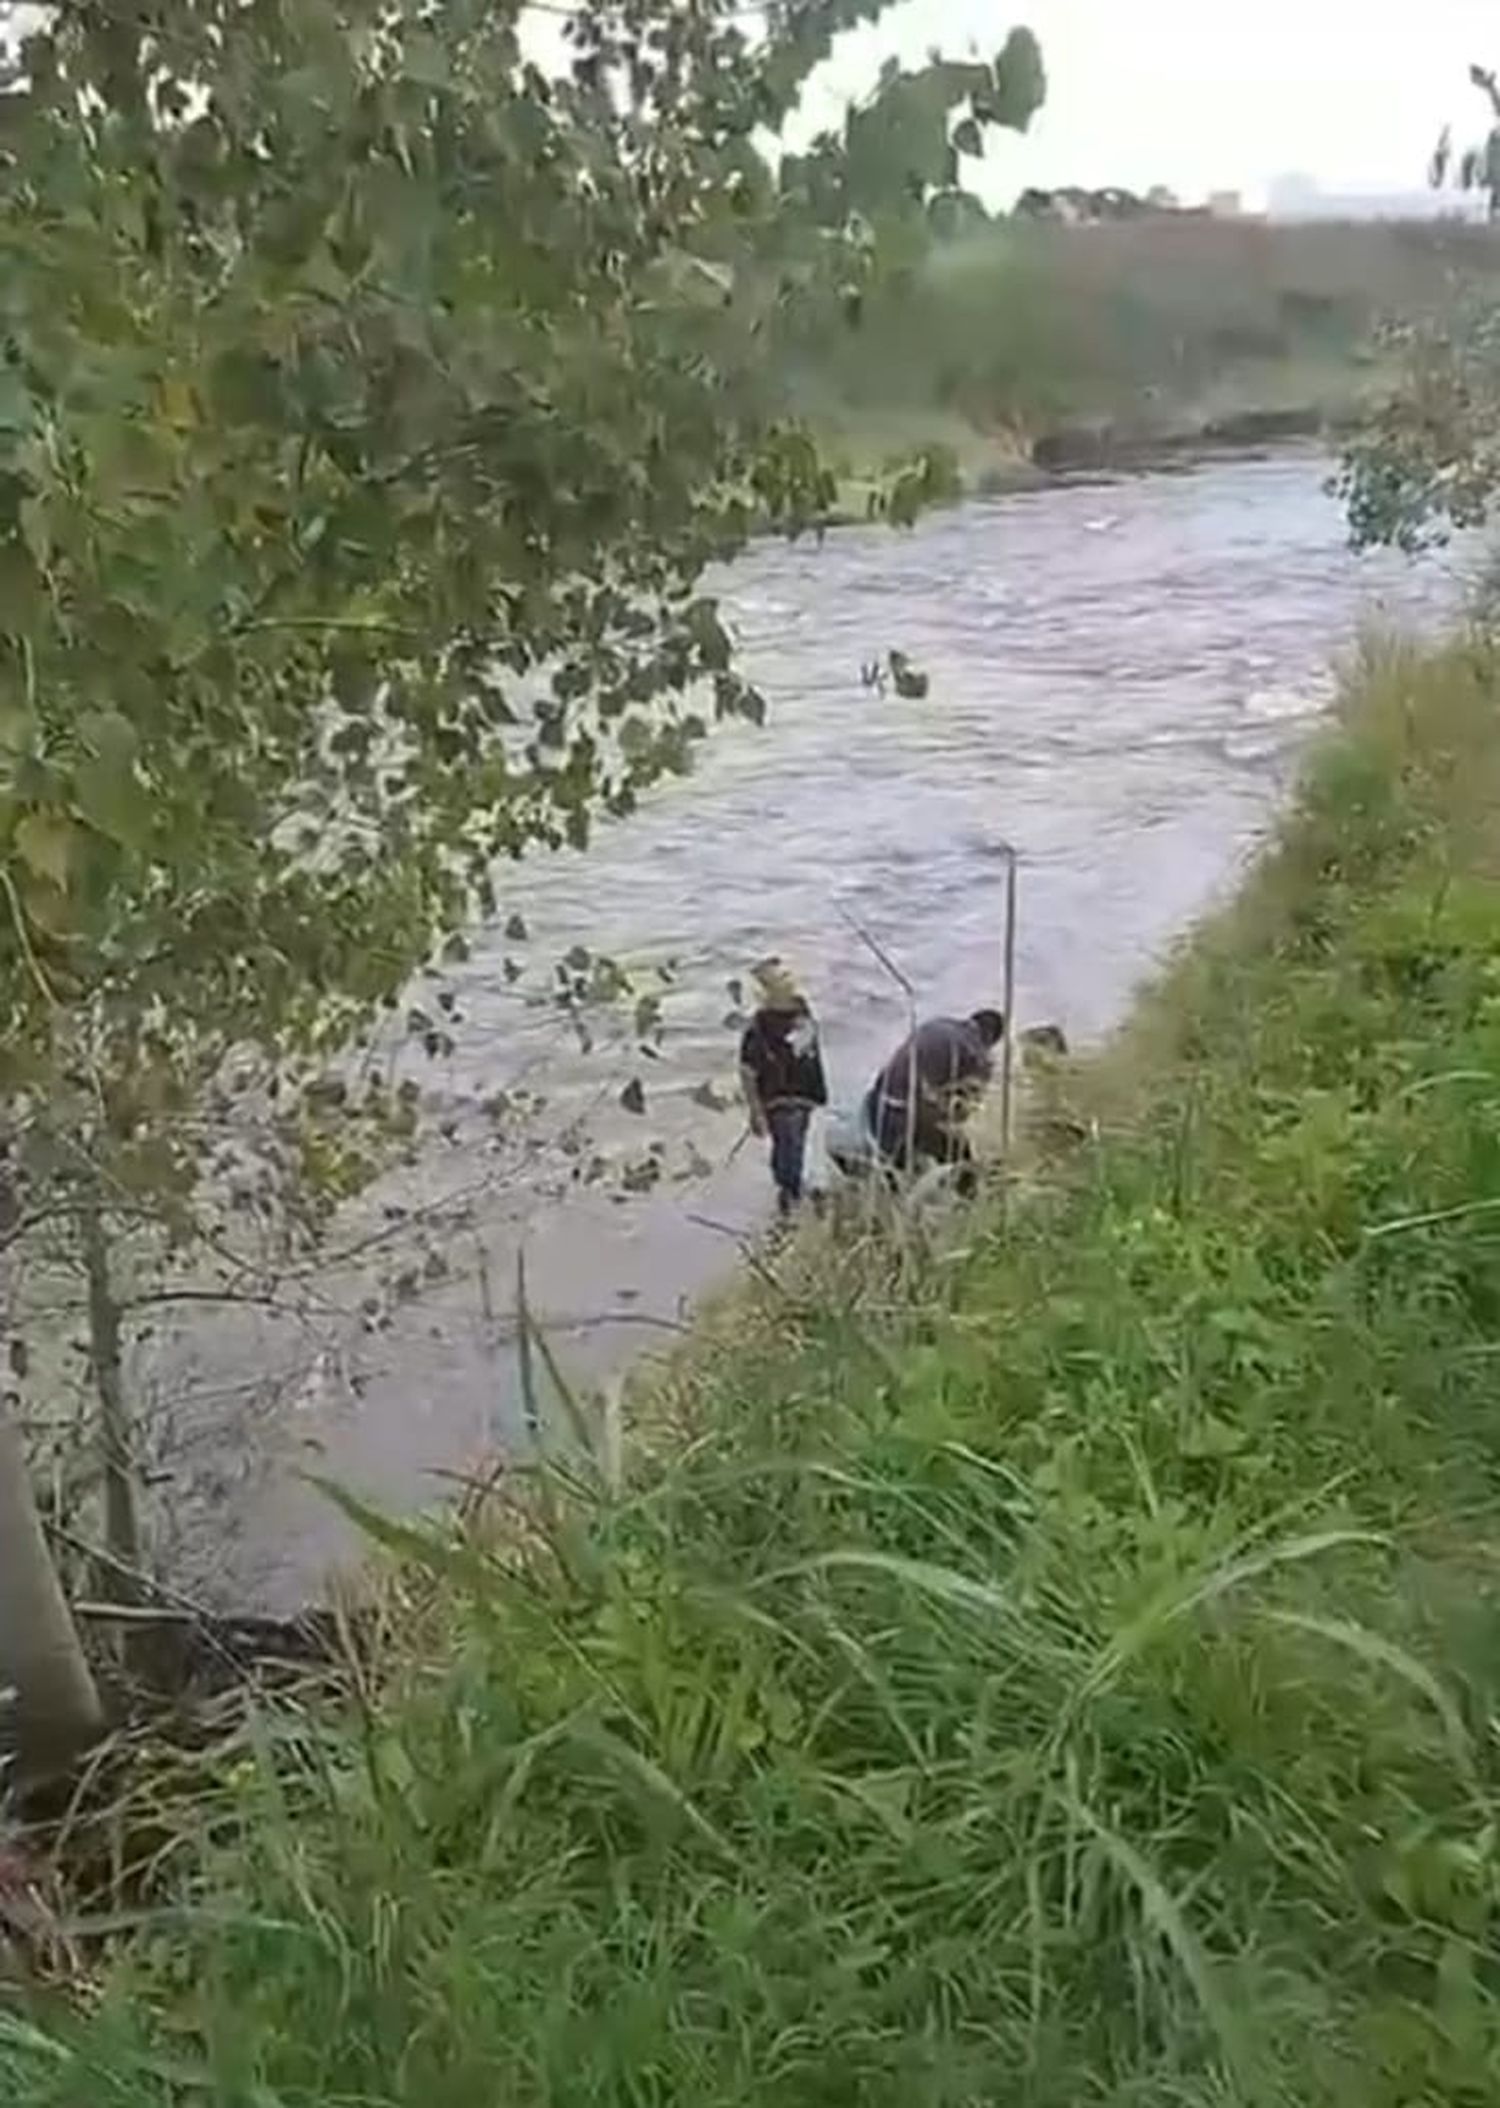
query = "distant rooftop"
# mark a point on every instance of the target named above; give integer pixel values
(1297, 197)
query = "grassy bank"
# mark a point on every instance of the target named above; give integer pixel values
(1158, 328)
(1068, 1676)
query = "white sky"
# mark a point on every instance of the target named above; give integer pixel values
(1201, 94)
(1210, 94)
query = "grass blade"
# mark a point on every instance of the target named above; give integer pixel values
(1378, 1652)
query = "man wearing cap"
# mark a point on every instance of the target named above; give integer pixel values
(781, 1071)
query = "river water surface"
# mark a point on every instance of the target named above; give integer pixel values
(1122, 676)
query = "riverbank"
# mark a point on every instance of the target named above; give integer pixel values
(1121, 682)
(1025, 349)
(1062, 1664)
(959, 463)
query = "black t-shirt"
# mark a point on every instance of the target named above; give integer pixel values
(780, 1050)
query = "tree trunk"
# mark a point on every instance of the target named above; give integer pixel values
(54, 1710)
(122, 1536)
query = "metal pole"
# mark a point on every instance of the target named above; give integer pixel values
(1008, 1043)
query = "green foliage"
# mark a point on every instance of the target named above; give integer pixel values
(1004, 331)
(368, 414)
(372, 400)
(1427, 459)
(1477, 167)
(898, 159)
(1076, 1681)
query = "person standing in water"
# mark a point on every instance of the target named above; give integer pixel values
(781, 1071)
(929, 1090)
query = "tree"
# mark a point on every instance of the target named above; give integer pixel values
(371, 401)
(1427, 458)
(1478, 167)
(48, 1703)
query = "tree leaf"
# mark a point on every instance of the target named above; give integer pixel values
(45, 842)
(1020, 81)
(17, 725)
(909, 681)
(1209, 1436)
(108, 792)
(23, 605)
(17, 411)
(426, 62)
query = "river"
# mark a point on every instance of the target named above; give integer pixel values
(1122, 676)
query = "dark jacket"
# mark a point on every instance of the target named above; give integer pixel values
(780, 1052)
(945, 1056)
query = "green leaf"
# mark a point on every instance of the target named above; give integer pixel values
(1020, 81)
(17, 724)
(23, 604)
(426, 62)
(246, 386)
(17, 410)
(35, 532)
(107, 790)
(909, 681)
(1210, 1436)
(111, 737)
(45, 843)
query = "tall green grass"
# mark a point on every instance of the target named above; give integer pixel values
(1072, 1679)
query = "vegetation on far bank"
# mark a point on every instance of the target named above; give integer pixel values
(1067, 1674)
(1160, 327)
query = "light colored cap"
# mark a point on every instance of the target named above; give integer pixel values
(777, 984)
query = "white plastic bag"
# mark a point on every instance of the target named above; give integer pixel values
(846, 1146)
(819, 1174)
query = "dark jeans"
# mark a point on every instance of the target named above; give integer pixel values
(788, 1125)
(911, 1145)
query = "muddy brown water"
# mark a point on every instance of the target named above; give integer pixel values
(1122, 677)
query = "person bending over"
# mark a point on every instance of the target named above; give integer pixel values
(921, 1103)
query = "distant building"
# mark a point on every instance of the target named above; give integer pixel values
(1299, 197)
(1226, 205)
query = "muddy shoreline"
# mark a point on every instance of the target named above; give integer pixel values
(1108, 447)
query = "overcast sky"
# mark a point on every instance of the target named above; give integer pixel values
(1212, 94)
(1202, 94)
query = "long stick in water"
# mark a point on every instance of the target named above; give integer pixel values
(1008, 1042)
(874, 946)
